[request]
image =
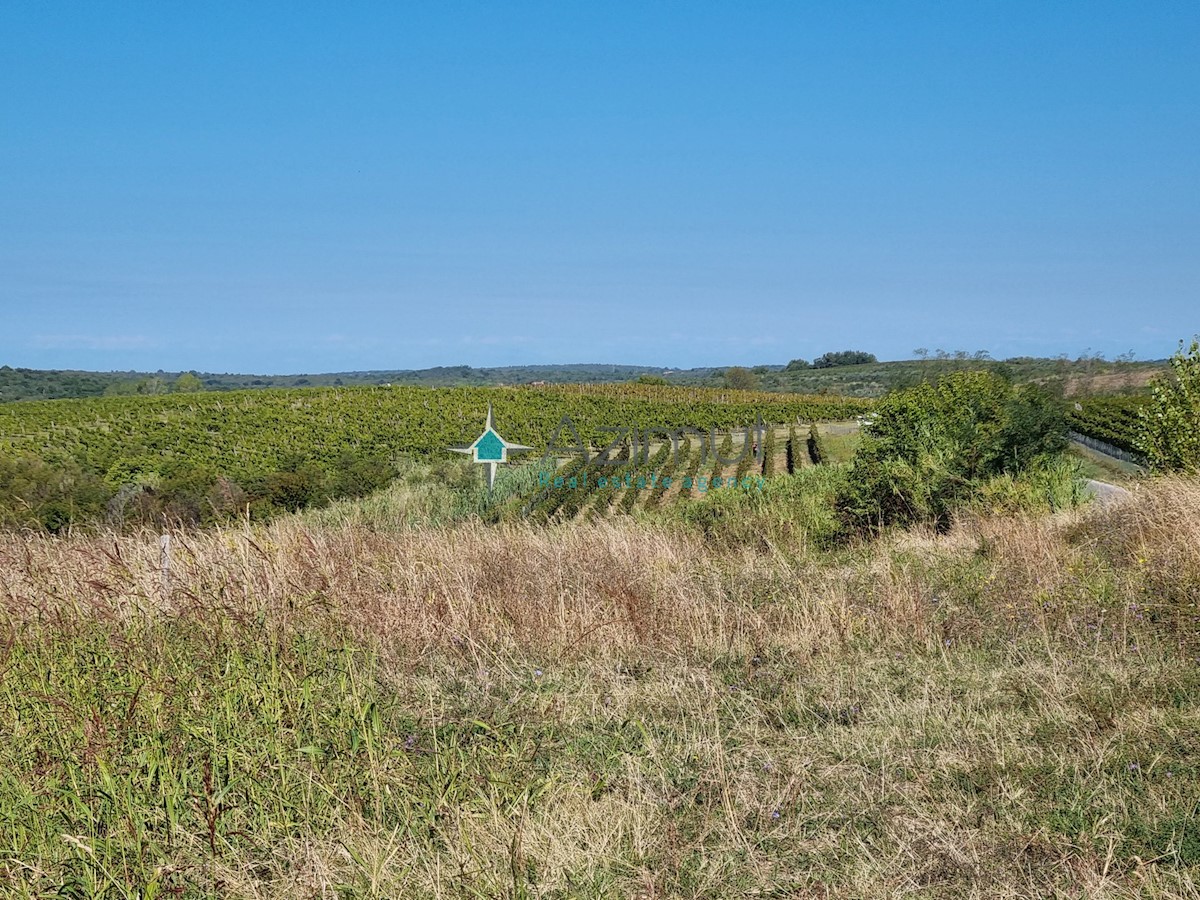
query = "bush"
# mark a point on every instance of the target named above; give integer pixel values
(296, 488)
(36, 493)
(930, 448)
(59, 492)
(357, 476)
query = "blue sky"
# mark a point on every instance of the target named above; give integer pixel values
(314, 187)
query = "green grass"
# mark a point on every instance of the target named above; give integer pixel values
(841, 440)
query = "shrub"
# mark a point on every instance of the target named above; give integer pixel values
(356, 475)
(1170, 424)
(930, 448)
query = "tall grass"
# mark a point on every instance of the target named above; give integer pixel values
(432, 492)
(323, 709)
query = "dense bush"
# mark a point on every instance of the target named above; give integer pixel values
(1170, 423)
(932, 448)
(35, 493)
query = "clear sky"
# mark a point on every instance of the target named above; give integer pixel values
(303, 187)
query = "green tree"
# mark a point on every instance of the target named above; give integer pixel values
(187, 383)
(1170, 423)
(740, 379)
(843, 358)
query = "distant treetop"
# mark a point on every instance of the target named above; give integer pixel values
(843, 358)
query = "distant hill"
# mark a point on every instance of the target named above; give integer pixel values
(1079, 377)
(51, 384)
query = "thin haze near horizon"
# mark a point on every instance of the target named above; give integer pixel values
(333, 187)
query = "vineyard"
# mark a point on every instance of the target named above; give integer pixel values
(245, 433)
(1114, 420)
(289, 448)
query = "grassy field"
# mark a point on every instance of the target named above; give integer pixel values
(607, 710)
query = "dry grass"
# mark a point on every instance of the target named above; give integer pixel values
(1009, 710)
(1109, 383)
